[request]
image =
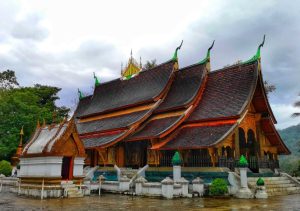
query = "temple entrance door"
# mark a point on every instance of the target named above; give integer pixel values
(136, 154)
(66, 168)
(253, 151)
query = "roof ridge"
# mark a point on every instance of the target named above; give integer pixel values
(232, 66)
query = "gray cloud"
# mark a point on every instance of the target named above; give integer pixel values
(30, 28)
(237, 30)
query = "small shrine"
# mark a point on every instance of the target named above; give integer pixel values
(54, 153)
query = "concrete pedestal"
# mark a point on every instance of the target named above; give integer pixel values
(184, 186)
(198, 186)
(244, 192)
(167, 188)
(261, 192)
(139, 185)
(176, 173)
(124, 183)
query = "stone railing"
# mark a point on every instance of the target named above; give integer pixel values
(167, 188)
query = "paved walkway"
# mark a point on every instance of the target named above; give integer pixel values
(9, 201)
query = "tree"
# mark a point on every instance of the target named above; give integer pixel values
(150, 64)
(24, 106)
(8, 79)
(297, 105)
(269, 87)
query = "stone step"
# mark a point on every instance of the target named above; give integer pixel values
(79, 195)
(286, 190)
(280, 185)
(273, 182)
(268, 179)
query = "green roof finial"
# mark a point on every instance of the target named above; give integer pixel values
(96, 80)
(257, 55)
(176, 160)
(243, 161)
(175, 53)
(80, 94)
(207, 58)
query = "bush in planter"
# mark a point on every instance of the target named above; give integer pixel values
(243, 162)
(5, 168)
(218, 187)
(260, 182)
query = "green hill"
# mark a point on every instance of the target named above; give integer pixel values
(291, 137)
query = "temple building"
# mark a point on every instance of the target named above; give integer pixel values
(54, 153)
(210, 117)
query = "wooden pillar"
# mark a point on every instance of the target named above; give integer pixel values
(260, 138)
(237, 144)
(212, 156)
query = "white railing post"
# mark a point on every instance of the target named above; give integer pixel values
(42, 194)
(118, 172)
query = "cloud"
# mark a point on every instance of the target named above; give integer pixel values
(45, 45)
(30, 28)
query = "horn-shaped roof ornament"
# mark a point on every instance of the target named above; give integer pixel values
(174, 58)
(80, 94)
(96, 80)
(257, 55)
(207, 58)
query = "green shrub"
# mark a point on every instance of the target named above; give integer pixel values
(176, 160)
(243, 162)
(5, 168)
(260, 182)
(218, 187)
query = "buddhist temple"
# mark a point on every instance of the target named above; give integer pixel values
(211, 117)
(53, 153)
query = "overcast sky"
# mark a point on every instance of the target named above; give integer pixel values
(61, 43)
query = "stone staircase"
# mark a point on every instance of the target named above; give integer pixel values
(70, 190)
(277, 185)
(128, 172)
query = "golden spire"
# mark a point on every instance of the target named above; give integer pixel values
(132, 68)
(19, 150)
(44, 123)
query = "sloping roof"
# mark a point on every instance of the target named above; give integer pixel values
(82, 106)
(45, 136)
(49, 140)
(117, 94)
(273, 136)
(227, 92)
(184, 88)
(199, 137)
(110, 123)
(155, 127)
(98, 141)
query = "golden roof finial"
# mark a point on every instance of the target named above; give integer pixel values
(22, 132)
(132, 68)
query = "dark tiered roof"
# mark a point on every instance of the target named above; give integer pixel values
(143, 88)
(82, 106)
(155, 127)
(101, 140)
(121, 121)
(227, 93)
(184, 88)
(199, 137)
